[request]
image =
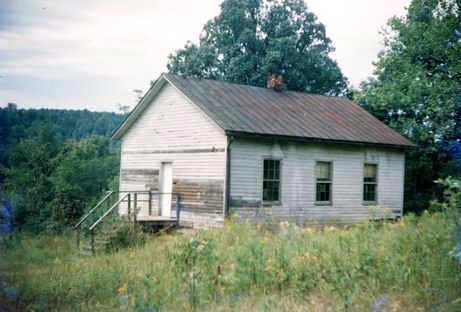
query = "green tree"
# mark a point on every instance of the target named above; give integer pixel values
(85, 169)
(417, 90)
(28, 182)
(251, 39)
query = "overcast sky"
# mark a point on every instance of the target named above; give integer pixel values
(92, 54)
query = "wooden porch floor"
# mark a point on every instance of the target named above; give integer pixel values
(147, 218)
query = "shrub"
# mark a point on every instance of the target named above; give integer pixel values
(196, 266)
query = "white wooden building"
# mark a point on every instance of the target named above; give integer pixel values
(259, 154)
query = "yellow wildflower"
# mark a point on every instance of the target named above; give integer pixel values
(395, 306)
(72, 292)
(386, 210)
(268, 266)
(281, 273)
(123, 289)
(307, 255)
(284, 224)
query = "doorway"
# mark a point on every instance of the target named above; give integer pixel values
(166, 187)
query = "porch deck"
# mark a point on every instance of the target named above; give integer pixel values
(160, 219)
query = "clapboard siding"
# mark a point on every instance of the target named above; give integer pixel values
(298, 181)
(173, 129)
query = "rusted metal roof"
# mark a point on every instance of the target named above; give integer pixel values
(262, 112)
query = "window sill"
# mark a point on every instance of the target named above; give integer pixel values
(326, 203)
(370, 203)
(271, 203)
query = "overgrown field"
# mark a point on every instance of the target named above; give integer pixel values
(403, 266)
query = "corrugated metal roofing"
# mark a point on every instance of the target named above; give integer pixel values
(260, 111)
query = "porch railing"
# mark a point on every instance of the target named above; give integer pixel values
(132, 200)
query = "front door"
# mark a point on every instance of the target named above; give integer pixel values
(166, 188)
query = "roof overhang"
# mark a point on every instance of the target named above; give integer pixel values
(139, 108)
(275, 137)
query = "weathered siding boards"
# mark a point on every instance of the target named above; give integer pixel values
(172, 123)
(298, 180)
(173, 129)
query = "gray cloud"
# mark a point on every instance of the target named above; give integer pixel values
(92, 54)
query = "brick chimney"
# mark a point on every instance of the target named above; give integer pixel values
(275, 82)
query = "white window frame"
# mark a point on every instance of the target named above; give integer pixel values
(279, 201)
(324, 202)
(376, 184)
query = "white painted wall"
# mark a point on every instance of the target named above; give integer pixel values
(298, 180)
(173, 129)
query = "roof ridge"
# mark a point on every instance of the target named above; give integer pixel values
(198, 78)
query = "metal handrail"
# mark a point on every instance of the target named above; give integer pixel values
(153, 192)
(126, 198)
(108, 211)
(93, 209)
(143, 191)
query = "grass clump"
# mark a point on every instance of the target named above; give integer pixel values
(390, 266)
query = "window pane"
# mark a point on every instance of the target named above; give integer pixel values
(369, 192)
(323, 186)
(323, 171)
(265, 190)
(323, 192)
(319, 192)
(271, 180)
(276, 169)
(369, 173)
(270, 190)
(327, 192)
(266, 169)
(276, 191)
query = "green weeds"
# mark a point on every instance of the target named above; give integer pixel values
(407, 265)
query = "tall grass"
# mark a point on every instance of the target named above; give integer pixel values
(406, 265)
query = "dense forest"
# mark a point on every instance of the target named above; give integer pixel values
(54, 163)
(17, 124)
